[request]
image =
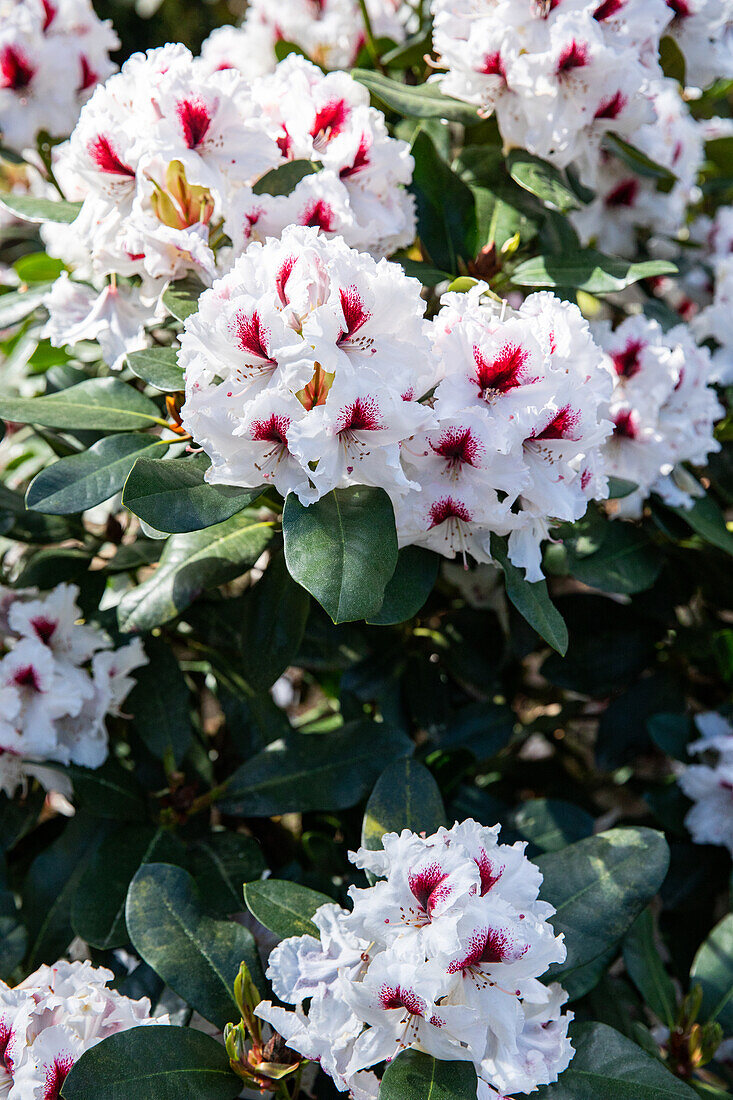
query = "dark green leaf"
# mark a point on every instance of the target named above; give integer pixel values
(82, 481)
(98, 909)
(284, 180)
(707, 520)
(587, 270)
(599, 886)
(446, 208)
(40, 210)
(284, 907)
(160, 705)
(417, 1076)
(542, 180)
(189, 565)
(158, 367)
(531, 600)
(175, 497)
(608, 1066)
(713, 970)
(110, 791)
(221, 863)
(405, 797)
(642, 164)
(274, 614)
(153, 1063)
(342, 549)
(426, 273)
(314, 771)
(98, 404)
(197, 956)
(647, 971)
(423, 101)
(13, 936)
(615, 557)
(411, 584)
(181, 299)
(550, 824)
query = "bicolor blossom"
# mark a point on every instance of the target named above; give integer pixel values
(52, 54)
(516, 447)
(59, 679)
(556, 75)
(710, 784)
(304, 366)
(703, 30)
(663, 411)
(442, 954)
(330, 32)
(54, 1016)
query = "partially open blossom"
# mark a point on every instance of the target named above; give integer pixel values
(663, 410)
(710, 785)
(59, 679)
(301, 368)
(443, 954)
(519, 428)
(54, 1016)
(51, 57)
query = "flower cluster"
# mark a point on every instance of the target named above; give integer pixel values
(164, 159)
(663, 410)
(59, 678)
(519, 428)
(444, 954)
(304, 366)
(54, 1016)
(703, 29)
(557, 75)
(52, 54)
(626, 202)
(710, 785)
(331, 32)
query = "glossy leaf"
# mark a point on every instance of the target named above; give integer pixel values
(190, 564)
(110, 791)
(153, 1063)
(33, 209)
(221, 862)
(98, 404)
(174, 496)
(706, 519)
(587, 270)
(314, 771)
(446, 208)
(284, 907)
(608, 1066)
(158, 367)
(531, 600)
(274, 614)
(423, 101)
(713, 970)
(615, 557)
(647, 971)
(405, 797)
(417, 1076)
(342, 549)
(160, 705)
(599, 886)
(196, 955)
(284, 179)
(542, 180)
(409, 587)
(82, 481)
(551, 824)
(181, 298)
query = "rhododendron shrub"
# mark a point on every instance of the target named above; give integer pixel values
(366, 518)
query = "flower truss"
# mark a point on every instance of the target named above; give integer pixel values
(710, 785)
(304, 366)
(54, 1016)
(331, 32)
(59, 678)
(52, 54)
(663, 410)
(443, 954)
(519, 407)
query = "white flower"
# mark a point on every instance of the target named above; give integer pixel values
(300, 368)
(517, 444)
(52, 54)
(663, 409)
(551, 73)
(442, 954)
(115, 317)
(52, 702)
(703, 30)
(330, 32)
(716, 319)
(710, 785)
(54, 1016)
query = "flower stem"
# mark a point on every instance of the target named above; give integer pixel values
(371, 43)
